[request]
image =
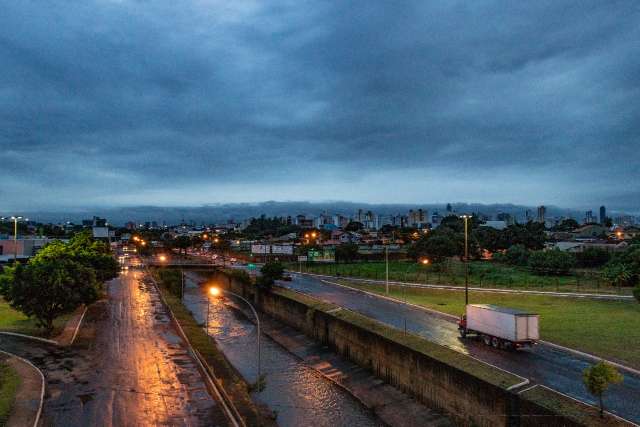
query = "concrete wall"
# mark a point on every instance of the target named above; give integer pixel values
(468, 391)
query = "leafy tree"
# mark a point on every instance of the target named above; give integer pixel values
(624, 267)
(598, 378)
(182, 243)
(263, 227)
(567, 224)
(618, 274)
(531, 235)
(592, 257)
(517, 255)
(47, 288)
(551, 262)
(346, 252)
(271, 272)
(487, 238)
(436, 247)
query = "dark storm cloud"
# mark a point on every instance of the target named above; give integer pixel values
(203, 101)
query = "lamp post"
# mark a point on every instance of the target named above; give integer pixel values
(216, 292)
(386, 260)
(466, 260)
(15, 237)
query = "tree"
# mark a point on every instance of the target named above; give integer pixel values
(346, 252)
(592, 257)
(618, 274)
(598, 378)
(182, 243)
(271, 272)
(436, 247)
(567, 224)
(48, 288)
(517, 255)
(551, 262)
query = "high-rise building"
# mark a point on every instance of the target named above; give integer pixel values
(588, 217)
(603, 214)
(449, 208)
(542, 210)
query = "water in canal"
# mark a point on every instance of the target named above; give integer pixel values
(298, 394)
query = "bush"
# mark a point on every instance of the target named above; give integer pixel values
(172, 280)
(517, 255)
(553, 262)
(592, 257)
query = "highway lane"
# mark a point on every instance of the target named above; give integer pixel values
(128, 367)
(555, 368)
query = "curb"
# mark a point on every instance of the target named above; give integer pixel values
(31, 337)
(229, 408)
(455, 318)
(39, 412)
(612, 297)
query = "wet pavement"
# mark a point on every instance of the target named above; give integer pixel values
(128, 367)
(555, 368)
(299, 395)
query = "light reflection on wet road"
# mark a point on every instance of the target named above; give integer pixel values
(552, 367)
(299, 395)
(137, 371)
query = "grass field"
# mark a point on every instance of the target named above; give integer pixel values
(481, 274)
(9, 383)
(609, 329)
(14, 321)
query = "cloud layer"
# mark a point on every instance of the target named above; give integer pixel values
(157, 102)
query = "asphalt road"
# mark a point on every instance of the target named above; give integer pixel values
(128, 367)
(542, 364)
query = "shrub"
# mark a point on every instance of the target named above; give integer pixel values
(553, 262)
(517, 255)
(592, 257)
(172, 280)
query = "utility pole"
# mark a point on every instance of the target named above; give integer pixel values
(15, 237)
(386, 258)
(466, 261)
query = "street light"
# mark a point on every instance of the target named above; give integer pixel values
(15, 237)
(466, 260)
(214, 291)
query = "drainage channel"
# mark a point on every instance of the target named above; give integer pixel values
(298, 394)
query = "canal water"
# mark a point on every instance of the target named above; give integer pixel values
(298, 394)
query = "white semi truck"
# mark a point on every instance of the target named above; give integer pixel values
(500, 327)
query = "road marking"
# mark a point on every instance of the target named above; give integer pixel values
(37, 420)
(476, 289)
(587, 404)
(75, 333)
(455, 318)
(15, 334)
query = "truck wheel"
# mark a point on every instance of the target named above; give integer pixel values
(486, 339)
(495, 342)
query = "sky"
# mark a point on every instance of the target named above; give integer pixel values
(192, 102)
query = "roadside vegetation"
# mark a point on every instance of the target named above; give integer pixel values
(56, 281)
(9, 383)
(601, 327)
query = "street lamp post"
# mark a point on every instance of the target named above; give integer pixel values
(466, 260)
(215, 292)
(386, 259)
(15, 237)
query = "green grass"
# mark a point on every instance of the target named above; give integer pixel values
(9, 383)
(484, 274)
(604, 328)
(13, 321)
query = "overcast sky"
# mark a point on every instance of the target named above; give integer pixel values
(193, 101)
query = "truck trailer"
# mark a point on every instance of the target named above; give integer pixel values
(500, 327)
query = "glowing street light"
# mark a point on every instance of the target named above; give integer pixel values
(162, 258)
(425, 261)
(215, 292)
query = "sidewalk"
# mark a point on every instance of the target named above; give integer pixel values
(28, 401)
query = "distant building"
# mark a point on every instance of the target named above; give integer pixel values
(588, 217)
(603, 214)
(498, 225)
(418, 218)
(542, 211)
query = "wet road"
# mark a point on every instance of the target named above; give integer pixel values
(127, 368)
(298, 394)
(542, 364)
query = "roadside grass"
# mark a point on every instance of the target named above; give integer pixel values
(231, 381)
(9, 383)
(13, 321)
(485, 274)
(609, 329)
